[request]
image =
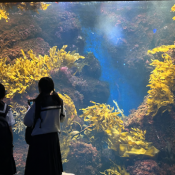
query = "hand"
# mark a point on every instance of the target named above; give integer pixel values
(27, 107)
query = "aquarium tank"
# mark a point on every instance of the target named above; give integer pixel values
(113, 64)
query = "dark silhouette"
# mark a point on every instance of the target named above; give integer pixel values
(44, 156)
(7, 163)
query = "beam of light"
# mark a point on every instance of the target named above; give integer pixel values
(122, 92)
(108, 29)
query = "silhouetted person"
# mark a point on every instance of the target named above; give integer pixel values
(44, 156)
(7, 163)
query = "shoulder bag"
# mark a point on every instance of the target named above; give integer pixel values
(29, 129)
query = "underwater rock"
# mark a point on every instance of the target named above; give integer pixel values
(137, 116)
(19, 31)
(145, 167)
(80, 42)
(164, 128)
(96, 90)
(93, 69)
(38, 45)
(64, 27)
(82, 89)
(170, 169)
(20, 154)
(107, 156)
(83, 159)
(160, 130)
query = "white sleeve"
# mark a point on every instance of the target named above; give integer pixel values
(30, 115)
(62, 117)
(9, 117)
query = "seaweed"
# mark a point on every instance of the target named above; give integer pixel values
(4, 7)
(173, 10)
(161, 83)
(104, 119)
(26, 71)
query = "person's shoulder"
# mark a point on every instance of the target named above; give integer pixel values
(5, 105)
(8, 106)
(2, 102)
(8, 109)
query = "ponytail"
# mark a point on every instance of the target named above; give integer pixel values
(46, 85)
(40, 98)
(38, 106)
(57, 98)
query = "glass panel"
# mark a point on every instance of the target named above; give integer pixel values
(112, 64)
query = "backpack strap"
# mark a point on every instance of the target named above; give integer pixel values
(37, 105)
(5, 111)
(62, 115)
(36, 117)
(50, 108)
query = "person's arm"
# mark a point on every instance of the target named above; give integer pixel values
(12, 138)
(11, 132)
(30, 115)
(11, 121)
(63, 115)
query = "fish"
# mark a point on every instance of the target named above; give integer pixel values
(74, 132)
(154, 30)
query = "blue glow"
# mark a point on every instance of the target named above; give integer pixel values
(107, 29)
(120, 91)
(154, 30)
(113, 34)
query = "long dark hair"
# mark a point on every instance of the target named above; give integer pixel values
(2, 91)
(46, 86)
(2, 95)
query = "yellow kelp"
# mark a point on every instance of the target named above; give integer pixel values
(163, 48)
(44, 6)
(117, 170)
(162, 85)
(64, 146)
(119, 110)
(103, 118)
(25, 71)
(4, 7)
(4, 14)
(66, 126)
(100, 118)
(63, 58)
(173, 10)
(71, 111)
(18, 113)
(130, 143)
(32, 6)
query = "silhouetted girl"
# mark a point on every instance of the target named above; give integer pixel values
(44, 156)
(7, 163)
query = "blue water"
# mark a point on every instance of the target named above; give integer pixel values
(118, 90)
